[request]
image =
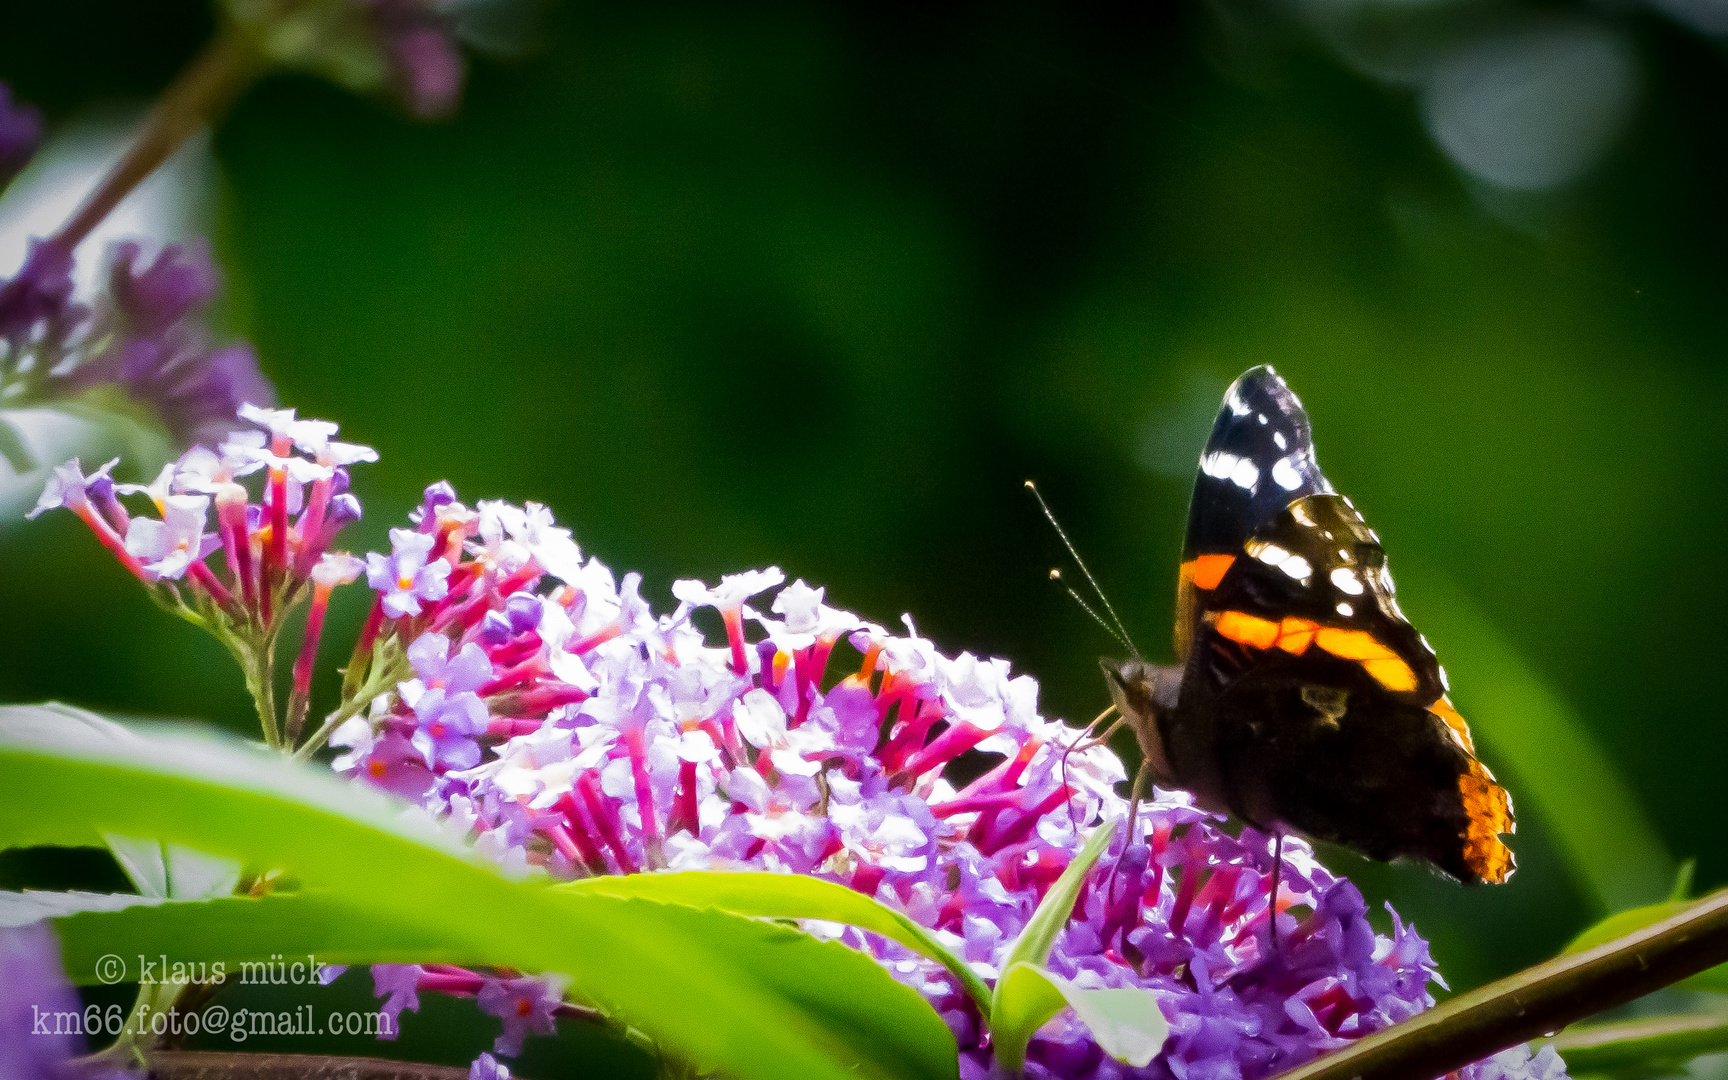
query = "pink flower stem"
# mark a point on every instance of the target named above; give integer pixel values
(1023, 824)
(277, 559)
(946, 746)
(684, 808)
(218, 592)
(302, 693)
(651, 839)
(112, 541)
(592, 857)
(312, 529)
(465, 984)
(603, 822)
(733, 617)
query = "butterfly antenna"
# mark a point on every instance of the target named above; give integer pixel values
(1121, 631)
(1116, 635)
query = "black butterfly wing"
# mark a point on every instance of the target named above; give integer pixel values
(1307, 699)
(1258, 459)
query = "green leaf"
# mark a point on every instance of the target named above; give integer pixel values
(1125, 1022)
(1024, 998)
(171, 870)
(729, 994)
(861, 1008)
(1624, 922)
(1035, 941)
(13, 451)
(789, 896)
(1658, 1043)
(34, 905)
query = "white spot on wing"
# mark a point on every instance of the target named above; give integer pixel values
(1278, 438)
(1346, 610)
(1297, 567)
(1444, 682)
(1285, 475)
(1346, 580)
(1245, 475)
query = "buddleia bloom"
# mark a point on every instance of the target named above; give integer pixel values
(604, 738)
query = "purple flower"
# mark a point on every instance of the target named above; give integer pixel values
(426, 67)
(150, 340)
(32, 982)
(20, 133)
(525, 1005)
(399, 986)
(37, 301)
(68, 487)
(1517, 1063)
(152, 298)
(146, 337)
(405, 577)
(487, 1067)
(168, 547)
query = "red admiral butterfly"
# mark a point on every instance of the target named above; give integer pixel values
(1303, 698)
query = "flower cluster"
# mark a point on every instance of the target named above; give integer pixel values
(143, 336)
(274, 550)
(554, 717)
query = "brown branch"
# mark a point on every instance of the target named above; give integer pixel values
(1536, 1002)
(206, 1065)
(198, 96)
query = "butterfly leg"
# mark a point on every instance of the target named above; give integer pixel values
(1142, 780)
(1086, 741)
(1272, 889)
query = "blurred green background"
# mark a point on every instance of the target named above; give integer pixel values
(819, 286)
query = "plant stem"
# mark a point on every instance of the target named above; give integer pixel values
(207, 1065)
(381, 678)
(1536, 1002)
(202, 91)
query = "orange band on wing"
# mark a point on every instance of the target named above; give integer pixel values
(1378, 660)
(1295, 635)
(1460, 730)
(1247, 629)
(1352, 644)
(1206, 571)
(1490, 811)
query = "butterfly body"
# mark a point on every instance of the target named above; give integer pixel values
(1303, 699)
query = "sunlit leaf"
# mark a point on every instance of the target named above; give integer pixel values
(1624, 922)
(788, 896)
(1024, 999)
(735, 995)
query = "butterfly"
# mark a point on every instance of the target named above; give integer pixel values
(1303, 700)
